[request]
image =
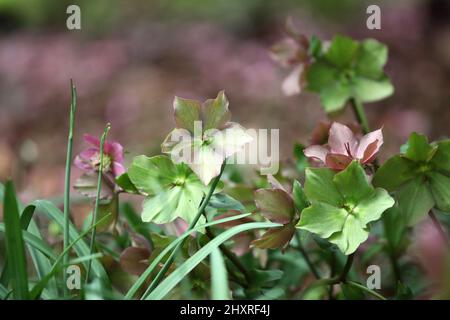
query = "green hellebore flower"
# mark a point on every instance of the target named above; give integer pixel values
(420, 176)
(342, 205)
(349, 69)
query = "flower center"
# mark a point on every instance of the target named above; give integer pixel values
(107, 161)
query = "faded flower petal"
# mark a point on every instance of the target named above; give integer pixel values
(291, 85)
(317, 152)
(341, 139)
(369, 140)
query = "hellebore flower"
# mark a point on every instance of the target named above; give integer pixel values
(420, 176)
(344, 146)
(89, 159)
(204, 136)
(292, 52)
(278, 205)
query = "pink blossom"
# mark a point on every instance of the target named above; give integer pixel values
(89, 159)
(344, 146)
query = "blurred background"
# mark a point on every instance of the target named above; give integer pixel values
(131, 57)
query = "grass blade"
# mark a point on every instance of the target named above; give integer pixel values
(219, 277)
(97, 198)
(175, 277)
(15, 250)
(140, 281)
(73, 107)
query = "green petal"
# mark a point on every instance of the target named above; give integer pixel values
(441, 158)
(319, 186)
(371, 59)
(186, 113)
(372, 207)
(369, 90)
(342, 51)
(419, 149)
(352, 183)
(215, 112)
(414, 200)
(394, 172)
(440, 188)
(322, 219)
(351, 236)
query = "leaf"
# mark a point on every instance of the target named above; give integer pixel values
(125, 183)
(133, 290)
(372, 207)
(186, 113)
(322, 219)
(224, 202)
(441, 158)
(440, 188)
(275, 205)
(394, 228)
(352, 183)
(215, 112)
(320, 75)
(352, 235)
(419, 149)
(342, 51)
(15, 250)
(319, 186)
(371, 59)
(175, 277)
(134, 260)
(414, 200)
(219, 278)
(368, 90)
(275, 238)
(396, 171)
(300, 200)
(334, 97)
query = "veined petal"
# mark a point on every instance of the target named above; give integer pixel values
(341, 139)
(95, 141)
(317, 152)
(368, 140)
(337, 161)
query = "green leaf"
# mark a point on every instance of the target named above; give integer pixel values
(125, 183)
(215, 112)
(352, 183)
(176, 276)
(275, 205)
(186, 113)
(300, 200)
(440, 188)
(219, 278)
(322, 219)
(342, 51)
(321, 75)
(372, 207)
(352, 235)
(275, 238)
(414, 200)
(396, 171)
(315, 47)
(419, 149)
(223, 202)
(15, 250)
(394, 228)
(319, 186)
(335, 96)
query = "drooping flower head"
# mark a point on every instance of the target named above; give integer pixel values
(344, 146)
(89, 159)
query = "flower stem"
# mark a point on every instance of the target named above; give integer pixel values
(66, 237)
(175, 251)
(360, 114)
(306, 257)
(347, 267)
(439, 227)
(97, 199)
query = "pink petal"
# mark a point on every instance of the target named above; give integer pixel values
(88, 153)
(317, 152)
(118, 169)
(337, 161)
(340, 137)
(82, 163)
(92, 140)
(115, 149)
(367, 140)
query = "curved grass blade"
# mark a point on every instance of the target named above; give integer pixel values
(219, 277)
(15, 249)
(3, 292)
(140, 281)
(175, 277)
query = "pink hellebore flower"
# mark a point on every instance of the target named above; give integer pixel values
(89, 159)
(344, 146)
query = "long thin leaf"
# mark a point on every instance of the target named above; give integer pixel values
(15, 249)
(81, 248)
(219, 277)
(140, 281)
(3, 292)
(175, 277)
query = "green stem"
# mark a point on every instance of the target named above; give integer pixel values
(306, 257)
(175, 251)
(231, 256)
(66, 237)
(97, 198)
(365, 289)
(347, 267)
(360, 114)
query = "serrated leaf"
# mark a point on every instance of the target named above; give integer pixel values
(419, 149)
(441, 158)
(352, 183)
(319, 186)
(414, 200)
(393, 173)
(322, 219)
